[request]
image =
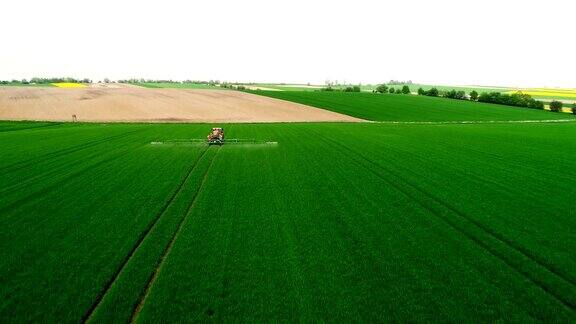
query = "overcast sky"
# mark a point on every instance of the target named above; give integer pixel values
(503, 42)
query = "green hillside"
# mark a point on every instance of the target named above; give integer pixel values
(396, 107)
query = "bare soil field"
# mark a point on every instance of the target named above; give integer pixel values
(135, 104)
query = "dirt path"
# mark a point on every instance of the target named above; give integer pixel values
(135, 104)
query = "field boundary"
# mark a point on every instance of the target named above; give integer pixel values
(30, 127)
(168, 248)
(140, 240)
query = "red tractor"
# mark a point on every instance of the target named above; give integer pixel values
(216, 136)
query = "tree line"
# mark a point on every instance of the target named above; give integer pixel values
(383, 88)
(346, 89)
(517, 99)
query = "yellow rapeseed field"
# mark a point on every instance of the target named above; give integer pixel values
(551, 93)
(68, 85)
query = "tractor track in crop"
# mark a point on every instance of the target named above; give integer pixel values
(168, 249)
(568, 302)
(141, 239)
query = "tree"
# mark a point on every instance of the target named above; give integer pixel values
(473, 95)
(421, 92)
(391, 90)
(382, 88)
(556, 106)
(460, 95)
(432, 92)
(356, 89)
(449, 94)
(573, 108)
(406, 89)
(398, 91)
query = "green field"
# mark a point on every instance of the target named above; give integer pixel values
(396, 107)
(337, 222)
(183, 85)
(26, 85)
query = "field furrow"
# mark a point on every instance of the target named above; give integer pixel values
(165, 253)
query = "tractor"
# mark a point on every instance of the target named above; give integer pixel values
(216, 136)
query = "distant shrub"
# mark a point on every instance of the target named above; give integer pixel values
(391, 90)
(382, 88)
(328, 88)
(473, 95)
(573, 108)
(421, 92)
(398, 91)
(356, 89)
(405, 89)
(556, 106)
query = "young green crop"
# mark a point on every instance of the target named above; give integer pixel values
(390, 107)
(337, 222)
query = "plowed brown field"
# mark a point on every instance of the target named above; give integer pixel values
(134, 104)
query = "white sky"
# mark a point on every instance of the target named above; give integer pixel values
(504, 42)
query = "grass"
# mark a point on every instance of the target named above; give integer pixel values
(396, 107)
(26, 84)
(176, 85)
(338, 222)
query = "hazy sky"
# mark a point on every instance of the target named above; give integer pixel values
(504, 42)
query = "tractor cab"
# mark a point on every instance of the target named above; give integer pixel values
(216, 136)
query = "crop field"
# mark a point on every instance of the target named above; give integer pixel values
(337, 222)
(171, 85)
(403, 108)
(126, 103)
(68, 85)
(544, 93)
